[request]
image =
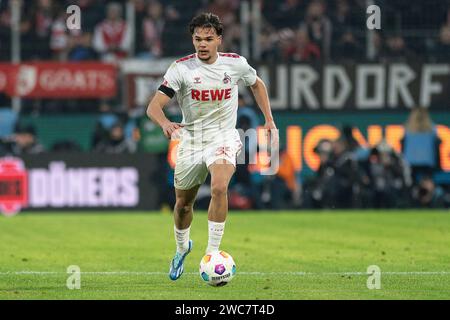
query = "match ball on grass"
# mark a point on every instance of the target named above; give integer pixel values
(217, 268)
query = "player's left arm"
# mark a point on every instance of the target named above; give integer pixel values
(259, 90)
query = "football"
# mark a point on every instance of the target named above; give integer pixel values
(217, 268)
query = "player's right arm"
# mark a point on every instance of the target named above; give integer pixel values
(171, 84)
(156, 113)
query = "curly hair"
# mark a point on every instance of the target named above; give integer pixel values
(206, 20)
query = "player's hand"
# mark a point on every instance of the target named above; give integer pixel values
(272, 134)
(171, 128)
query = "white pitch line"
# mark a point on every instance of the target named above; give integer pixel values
(157, 273)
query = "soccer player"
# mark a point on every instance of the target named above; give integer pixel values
(205, 84)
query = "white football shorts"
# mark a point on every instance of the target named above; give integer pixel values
(191, 168)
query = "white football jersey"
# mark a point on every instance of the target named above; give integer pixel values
(208, 93)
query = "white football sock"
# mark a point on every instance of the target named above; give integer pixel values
(182, 239)
(215, 233)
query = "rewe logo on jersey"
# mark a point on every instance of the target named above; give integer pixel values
(211, 95)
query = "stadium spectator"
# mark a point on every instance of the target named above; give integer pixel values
(299, 48)
(106, 120)
(112, 37)
(428, 195)
(347, 47)
(441, 51)
(41, 28)
(285, 14)
(388, 178)
(66, 146)
(245, 109)
(25, 141)
(59, 39)
(243, 194)
(378, 46)
(132, 123)
(338, 173)
(269, 39)
(224, 9)
(318, 27)
(172, 35)
(246, 181)
(396, 50)
(348, 138)
(178, 13)
(343, 168)
(152, 30)
(116, 142)
(92, 13)
(5, 146)
(261, 186)
(140, 12)
(80, 47)
(342, 18)
(313, 192)
(420, 144)
(227, 11)
(247, 120)
(285, 44)
(306, 50)
(8, 121)
(285, 189)
(232, 41)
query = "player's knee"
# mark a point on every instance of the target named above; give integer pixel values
(219, 189)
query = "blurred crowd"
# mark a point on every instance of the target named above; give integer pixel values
(309, 31)
(354, 176)
(292, 30)
(349, 175)
(114, 133)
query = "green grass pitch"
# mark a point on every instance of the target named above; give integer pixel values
(279, 255)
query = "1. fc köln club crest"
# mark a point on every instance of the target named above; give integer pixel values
(13, 186)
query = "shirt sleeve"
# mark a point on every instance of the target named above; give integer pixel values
(172, 78)
(248, 73)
